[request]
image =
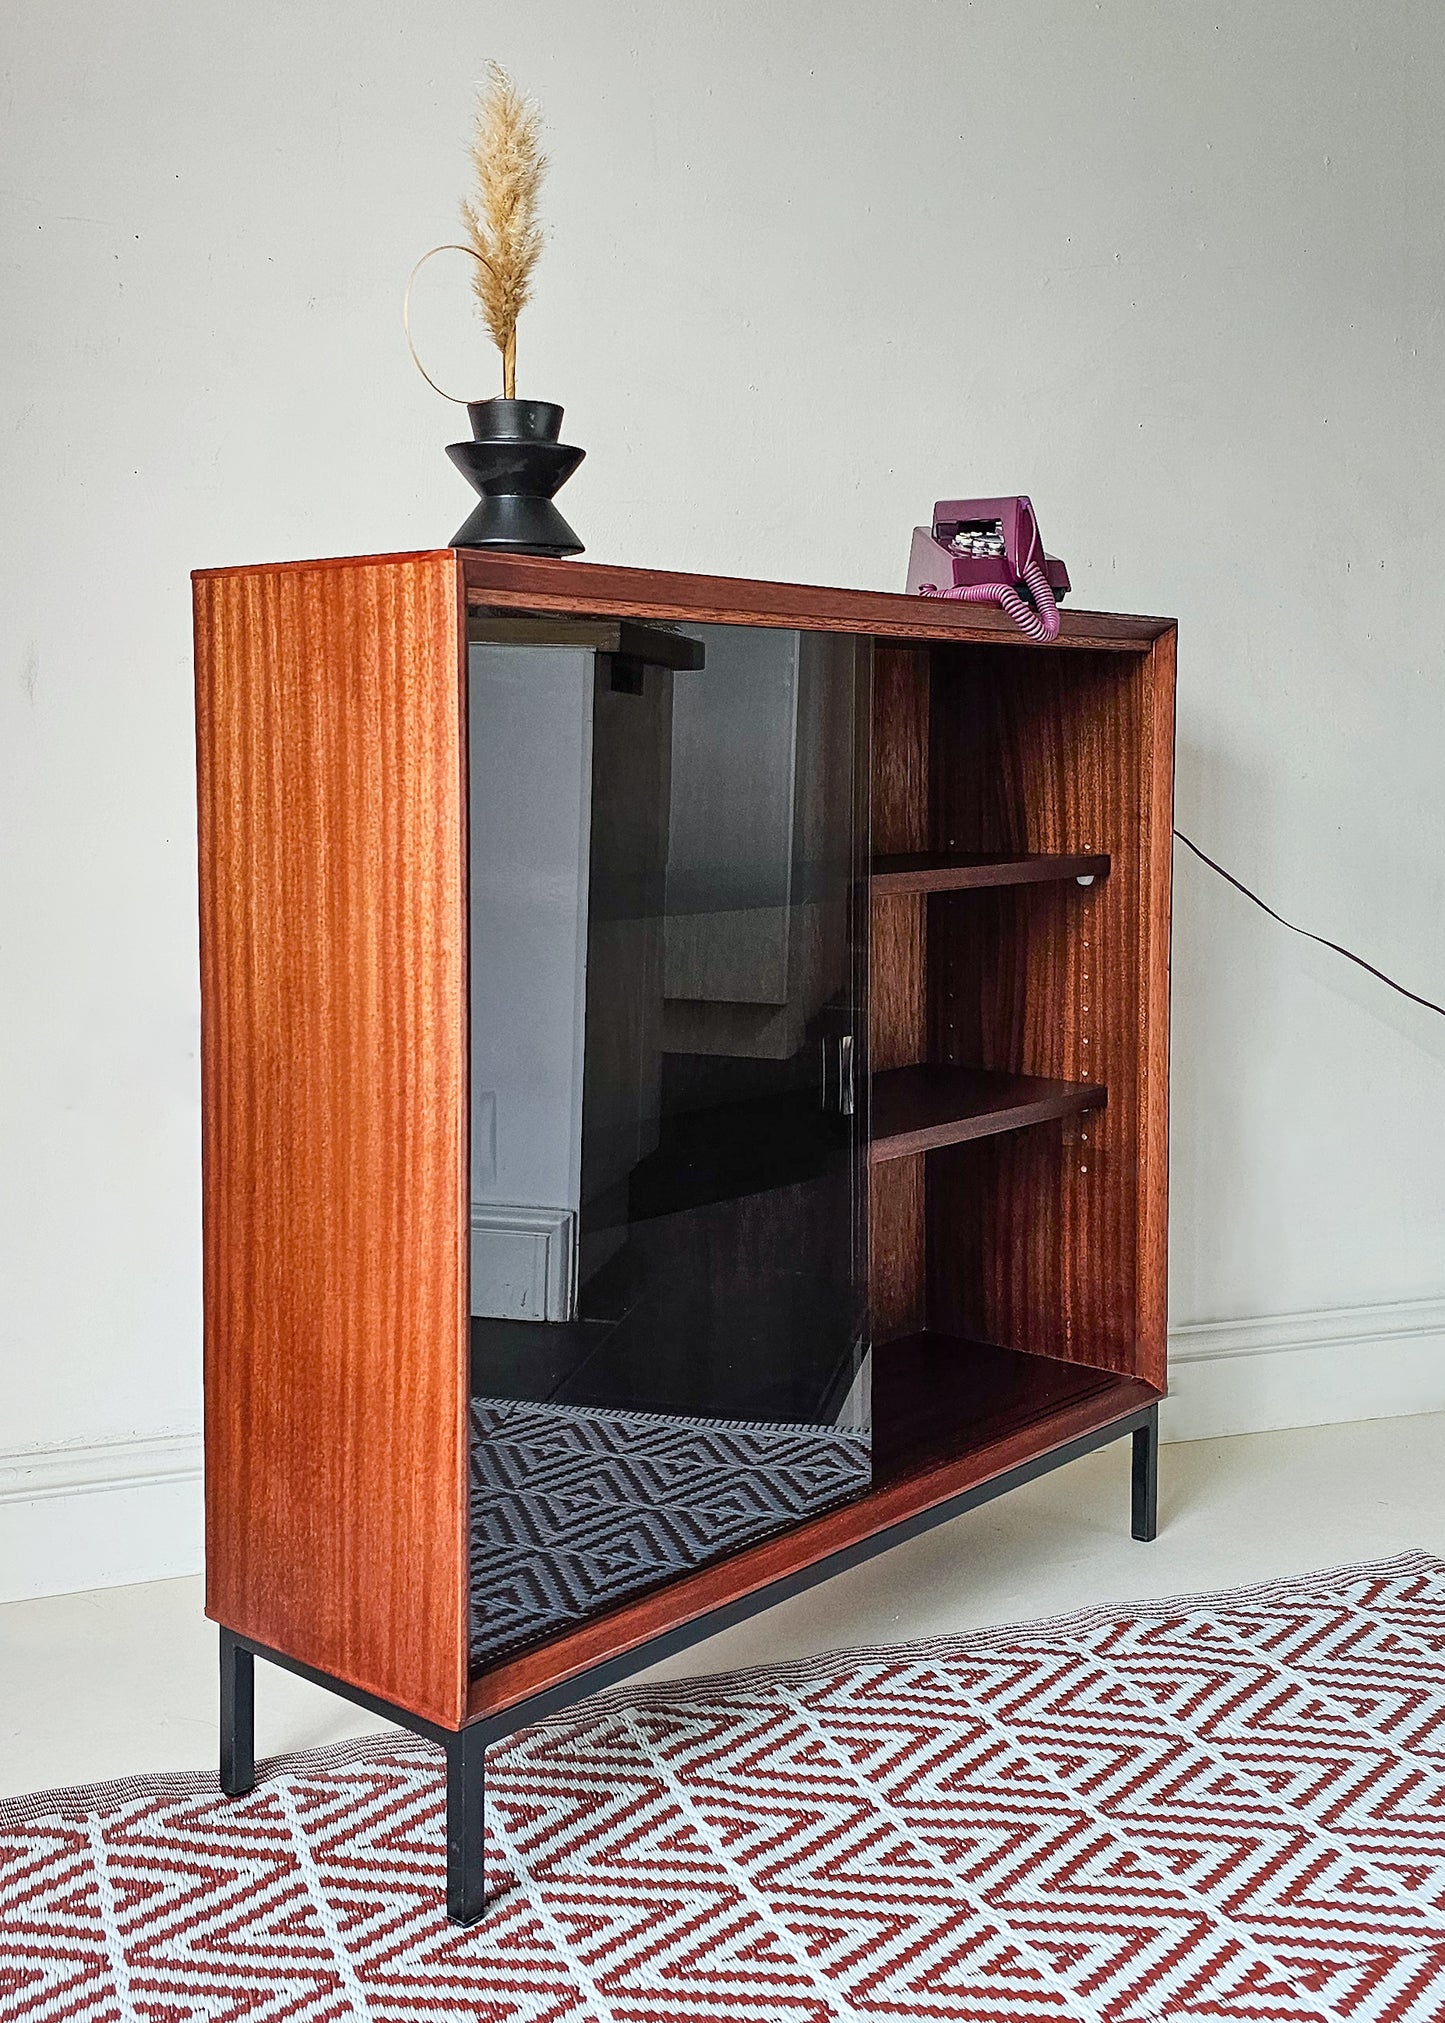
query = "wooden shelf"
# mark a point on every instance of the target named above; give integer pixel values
(919, 1109)
(948, 1414)
(937, 1398)
(971, 870)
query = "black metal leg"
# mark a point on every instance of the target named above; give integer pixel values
(238, 1716)
(1145, 1513)
(466, 1815)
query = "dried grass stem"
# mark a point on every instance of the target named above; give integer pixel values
(501, 220)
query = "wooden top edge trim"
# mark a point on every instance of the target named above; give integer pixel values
(1095, 631)
(321, 562)
(509, 581)
(629, 1626)
(605, 589)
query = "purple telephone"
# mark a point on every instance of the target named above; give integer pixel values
(988, 551)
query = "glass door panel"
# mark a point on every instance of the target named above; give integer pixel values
(669, 917)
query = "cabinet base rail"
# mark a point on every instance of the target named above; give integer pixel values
(465, 1748)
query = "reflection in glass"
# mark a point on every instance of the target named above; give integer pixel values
(668, 1335)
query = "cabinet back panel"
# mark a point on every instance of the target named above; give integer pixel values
(333, 1072)
(898, 1006)
(898, 1010)
(897, 1247)
(901, 688)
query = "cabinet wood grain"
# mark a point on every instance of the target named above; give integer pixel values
(333, 960)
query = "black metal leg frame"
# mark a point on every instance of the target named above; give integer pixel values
(466, 1747)
(1144, 1500)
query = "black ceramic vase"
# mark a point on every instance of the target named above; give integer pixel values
(516, 463)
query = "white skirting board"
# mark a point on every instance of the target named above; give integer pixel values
(1315, 1369)
(90, 1517)
(86, 1517)
(523, 1260)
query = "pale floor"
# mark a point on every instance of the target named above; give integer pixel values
(123, 1679)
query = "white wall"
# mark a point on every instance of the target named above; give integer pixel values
(1173, 268)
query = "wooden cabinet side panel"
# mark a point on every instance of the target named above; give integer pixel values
(1156, 914)
(333, 951)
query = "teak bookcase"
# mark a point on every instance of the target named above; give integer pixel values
(984, 988)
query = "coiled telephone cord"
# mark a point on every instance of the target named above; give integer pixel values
(1039, 620)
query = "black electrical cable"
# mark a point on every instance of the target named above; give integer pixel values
(1334, 946)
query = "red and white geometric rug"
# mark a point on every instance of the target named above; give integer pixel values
(1223, 1807)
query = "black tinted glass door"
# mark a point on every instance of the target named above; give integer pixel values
(669, 1103)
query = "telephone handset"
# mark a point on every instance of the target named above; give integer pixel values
(988, 551)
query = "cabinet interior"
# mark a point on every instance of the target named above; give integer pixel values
(716, 814)
(1006, 1043)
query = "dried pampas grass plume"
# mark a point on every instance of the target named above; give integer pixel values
(501, 220)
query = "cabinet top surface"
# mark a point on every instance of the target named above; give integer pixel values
(539, 583)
